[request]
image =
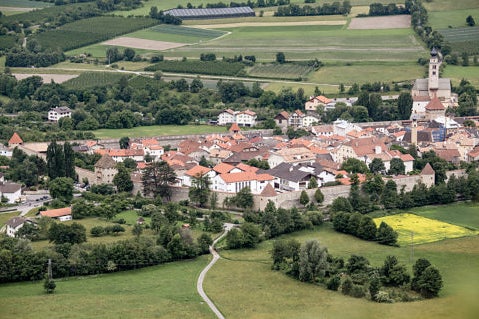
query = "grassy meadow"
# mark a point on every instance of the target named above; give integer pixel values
(461, 214)
(164, 291)
(24, 4)
(254, 291)
(457, 73)
(5, 216)
(158, 130)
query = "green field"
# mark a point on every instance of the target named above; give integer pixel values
(464, 39)
(254, 291)
(457, 73)
(367, 72)
(158, 130)
(321, 42)
(165, 291)
(24, 4)
(462, 214)
(88, 31)
(456, 18)
(4, 217)
(92, 79)
(217, 67)
(287, 71)
(448, 5)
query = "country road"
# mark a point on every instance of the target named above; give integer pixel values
(199, 284)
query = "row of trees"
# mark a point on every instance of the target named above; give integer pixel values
(311, 262)
(363, 227)
(326, 9)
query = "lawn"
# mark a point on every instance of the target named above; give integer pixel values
(367, 72)
(165, 291)
(461, 214)
(255, 291)
(419, 230)
(158, 130)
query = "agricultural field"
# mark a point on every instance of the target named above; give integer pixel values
(92, 79)
(367, 72)
(88, 31)
(419, 230)
(200, 67)
(448, 5)
(287, 71)
(7, 41)
(164, 291)
(158, 130)
(461, 214)
(47, 78)
(464, 39)
(48, 13)
(255, 291)
(25, 4)
(457, 73)
(326, 43)
(454, 19)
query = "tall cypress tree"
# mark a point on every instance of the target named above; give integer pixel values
(69, 160)
(55, 160)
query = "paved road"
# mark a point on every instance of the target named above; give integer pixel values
(199, 284)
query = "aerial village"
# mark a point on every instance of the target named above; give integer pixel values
(291, 163)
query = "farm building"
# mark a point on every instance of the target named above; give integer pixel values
(211, 13)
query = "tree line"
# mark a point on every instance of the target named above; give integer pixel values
(343, 8)
(311, 262)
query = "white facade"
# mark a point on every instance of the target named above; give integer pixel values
(310, 120)
(223, 183)
(5, 151)
(242, 118)
(54, 115)
(226, 117)
(11, 191)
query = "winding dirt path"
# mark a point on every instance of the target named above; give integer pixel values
(199, 283)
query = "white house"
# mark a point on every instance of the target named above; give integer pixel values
(234, 182)
(195, 171)
(342, 127)
(246, 118)
(54, 115)
(14, 224)
(242, 118)
(310, 119)
(11, 191)
(313, 103)
(226, 117)
(62, 214)
(291, 155)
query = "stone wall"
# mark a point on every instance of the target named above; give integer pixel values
(84, 173)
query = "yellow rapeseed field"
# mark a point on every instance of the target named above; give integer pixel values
(424, 230)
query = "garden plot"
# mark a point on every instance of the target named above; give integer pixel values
(143, 44)
(388, 22)
(421, 230)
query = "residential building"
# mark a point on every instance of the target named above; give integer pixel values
(282, 119)
(15, 223)
(314, 102)
(242, 118)
(234, 182)
(54, 115)
(61, 214)
(11, 191)
(291, 155)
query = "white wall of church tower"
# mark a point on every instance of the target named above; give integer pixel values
(434, 64)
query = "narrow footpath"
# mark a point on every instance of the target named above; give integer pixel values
(199, 284)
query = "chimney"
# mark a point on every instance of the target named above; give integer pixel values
(377, 149)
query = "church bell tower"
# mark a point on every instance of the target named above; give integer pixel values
(434, 64)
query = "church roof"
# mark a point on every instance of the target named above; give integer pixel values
(427, 170)
(435, 105)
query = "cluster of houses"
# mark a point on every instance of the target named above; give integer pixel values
(229, 160)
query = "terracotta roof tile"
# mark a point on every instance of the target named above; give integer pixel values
(57, 212)
(198, 170)
(427, 170)
(15, 139)
(268, 191)
(222, 168)
(435, 105)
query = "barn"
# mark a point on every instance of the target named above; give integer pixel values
(211, 13)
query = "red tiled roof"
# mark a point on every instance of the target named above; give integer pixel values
(197, 170)
(435, 105)
(245, 176)
(247, 168)
(268, 191)
(15, 139)
(223, 168)
(234, 127)
(53, 213)
(115, 152)
(427, 170)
